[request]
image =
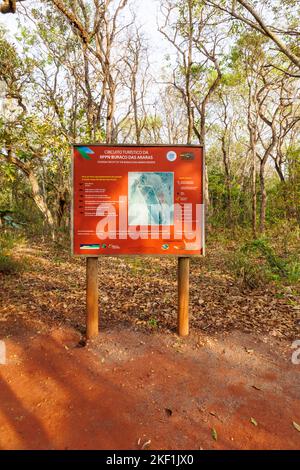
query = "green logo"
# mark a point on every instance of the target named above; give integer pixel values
(85, 152)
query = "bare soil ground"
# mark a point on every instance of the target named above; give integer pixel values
(230, 385)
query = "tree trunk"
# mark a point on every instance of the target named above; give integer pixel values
(37, 192)
(263, 196)
(41, 203)
(202, 142)
(254, 196)
(135, 111)
(253, 140)
(61, 207)
(227, 181)
(188, 75)
(279, 171)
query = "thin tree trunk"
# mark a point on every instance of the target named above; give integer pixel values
(135, 111)
(279, 172)
(188, 75)
(254, 195)
(263, 195)
(227, 181)
(253, 140)
(41, 203)
(37, 193)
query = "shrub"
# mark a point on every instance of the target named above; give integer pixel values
(248, 272)
(8, 242)
(8, 265)
(261, 248)
(255, 263)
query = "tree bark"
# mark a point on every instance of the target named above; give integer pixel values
(263, 200)
(252, 128)
(227, 181)
(271, 34)
(41, 202)
(37, 193)
(188, 75)
(254, 195)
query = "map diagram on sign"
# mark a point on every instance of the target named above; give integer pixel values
(150, 198)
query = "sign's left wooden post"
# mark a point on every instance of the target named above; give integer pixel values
(92, 320)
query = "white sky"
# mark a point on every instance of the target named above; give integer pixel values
(9, 22)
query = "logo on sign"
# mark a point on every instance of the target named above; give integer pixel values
(85, 152)
(171, 156)
(187, 156)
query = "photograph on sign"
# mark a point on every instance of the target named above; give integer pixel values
(137, 200)
(150, 198)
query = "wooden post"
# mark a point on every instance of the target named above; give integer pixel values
(183, 296)
(91, 297)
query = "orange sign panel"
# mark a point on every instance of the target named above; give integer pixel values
(138, 200)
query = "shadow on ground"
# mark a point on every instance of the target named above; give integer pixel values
(127, 388)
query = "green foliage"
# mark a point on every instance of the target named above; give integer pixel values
(152, 323)
(262, 249)
(8, 265)
(9, 240)
(219, 201)
(196, 70)
(9, 220)
(231, 78)
(255, 263)
(9, 59)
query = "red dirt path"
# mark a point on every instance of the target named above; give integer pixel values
(127, 388)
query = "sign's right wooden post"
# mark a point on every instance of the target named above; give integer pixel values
(183, 296)
(92, 315)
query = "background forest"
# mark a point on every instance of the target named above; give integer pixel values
(222, 73)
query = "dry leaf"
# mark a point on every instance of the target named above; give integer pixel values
(146, 444)
(249, 351)
(296, 426)
(256, 387)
